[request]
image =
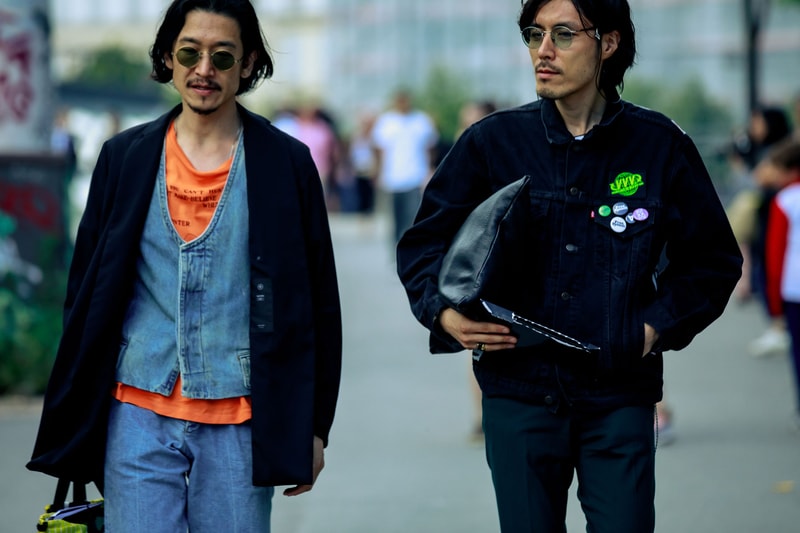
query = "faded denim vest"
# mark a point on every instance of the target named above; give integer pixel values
(190, 310)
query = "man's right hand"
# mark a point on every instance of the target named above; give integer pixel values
(472, 335)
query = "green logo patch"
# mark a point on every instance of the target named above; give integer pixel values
(626, 184)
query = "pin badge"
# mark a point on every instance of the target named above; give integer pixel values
(620, 208)
(618, 224)
(641, 214)
(629, 218)
(604, 210)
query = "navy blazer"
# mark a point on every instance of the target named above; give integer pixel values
(295, 366)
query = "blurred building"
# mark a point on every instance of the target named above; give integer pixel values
(350, 54)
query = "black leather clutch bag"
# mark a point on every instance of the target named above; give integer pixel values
(487, 256)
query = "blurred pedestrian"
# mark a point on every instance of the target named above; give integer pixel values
(470, 113)
(748, 214)
(404, 138)
(200, 359)
(63, 143)
(612, 186)
(783, 248)
(363, 161)
(316, 129)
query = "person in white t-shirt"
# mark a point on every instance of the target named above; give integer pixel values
(404, 139)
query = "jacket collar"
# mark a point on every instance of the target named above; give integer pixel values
(557, 132)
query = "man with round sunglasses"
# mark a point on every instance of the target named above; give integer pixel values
(200, 359)
(626, 247)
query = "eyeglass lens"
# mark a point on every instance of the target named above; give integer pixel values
(561, 36)
(189, 57)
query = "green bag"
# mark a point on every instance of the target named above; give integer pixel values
(80, 516)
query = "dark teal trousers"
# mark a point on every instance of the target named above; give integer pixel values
(534, 451)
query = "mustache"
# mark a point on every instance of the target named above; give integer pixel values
(547, 66)
(203, 83)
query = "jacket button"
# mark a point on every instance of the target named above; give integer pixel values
(572, 248)
(548, 400)
(565, 296)
(574, 191)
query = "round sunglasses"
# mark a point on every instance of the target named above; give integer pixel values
(221, 59)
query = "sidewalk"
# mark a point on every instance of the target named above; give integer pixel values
(400, 459)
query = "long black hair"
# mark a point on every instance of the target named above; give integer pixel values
(241, 11)
(606, 16)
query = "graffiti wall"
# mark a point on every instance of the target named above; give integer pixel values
(32, 218)
(25, 87)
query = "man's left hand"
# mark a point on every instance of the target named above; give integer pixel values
(319, 464)
(650, 338)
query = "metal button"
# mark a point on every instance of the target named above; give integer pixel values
(574, 191)
(565, 296)
(572, 248)
(548, 400)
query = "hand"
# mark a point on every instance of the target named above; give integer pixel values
(470, 333)
(319, 464)
(650, 338)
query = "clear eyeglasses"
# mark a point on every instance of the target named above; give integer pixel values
(560, 35)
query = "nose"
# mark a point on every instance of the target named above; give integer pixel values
(547, 47)
(205, 65)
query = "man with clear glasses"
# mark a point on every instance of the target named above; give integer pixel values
(200, 360)
(629, 250)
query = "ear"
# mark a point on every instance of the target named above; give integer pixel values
(168, 60)
(247, 64)
(608, 44)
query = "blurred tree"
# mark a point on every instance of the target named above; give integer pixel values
(116, 66)
(690, 106)
(707, 121)
(442, 97)
(116, 72)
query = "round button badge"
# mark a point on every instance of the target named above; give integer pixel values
(604, 210)
(620, 208)
(641, 214)
(618, 224)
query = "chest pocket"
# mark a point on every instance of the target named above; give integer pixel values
(625, 236)
(626, 220)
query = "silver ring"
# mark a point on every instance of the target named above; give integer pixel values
(480, 346)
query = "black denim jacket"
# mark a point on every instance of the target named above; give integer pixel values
(628, 229)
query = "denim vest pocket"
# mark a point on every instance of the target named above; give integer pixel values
(244, 363)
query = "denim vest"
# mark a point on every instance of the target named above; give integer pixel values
(190, 309)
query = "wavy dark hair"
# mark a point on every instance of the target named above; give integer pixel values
(241, 11)
(606, 16)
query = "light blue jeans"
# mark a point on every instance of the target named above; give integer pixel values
(168, 475)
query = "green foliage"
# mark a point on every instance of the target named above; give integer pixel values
(690, 106)
(114, 70)
(707, 121)
(442, 98)
(29, 331)
(114, 66)
(31, 320)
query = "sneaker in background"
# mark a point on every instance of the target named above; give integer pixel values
(771, 342)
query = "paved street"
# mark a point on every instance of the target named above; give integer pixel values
(400, 459)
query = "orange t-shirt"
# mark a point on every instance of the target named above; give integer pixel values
(192, 198)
